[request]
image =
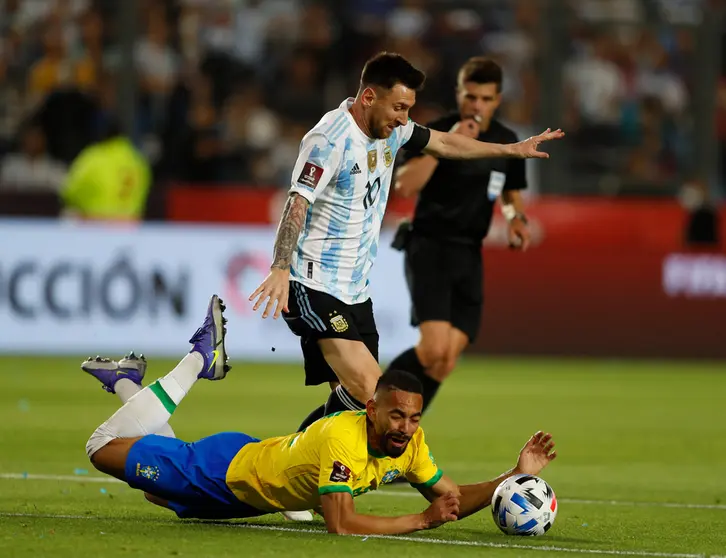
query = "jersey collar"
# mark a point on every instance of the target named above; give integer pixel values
(375, 453)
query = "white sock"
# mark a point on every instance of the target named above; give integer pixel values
(150, 409)
(126, 389)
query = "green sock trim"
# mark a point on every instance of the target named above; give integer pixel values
(169, 405)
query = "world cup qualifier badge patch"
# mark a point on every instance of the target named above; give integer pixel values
(340, 472)
(310, 175)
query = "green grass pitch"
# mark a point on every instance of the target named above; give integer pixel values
(641, 468)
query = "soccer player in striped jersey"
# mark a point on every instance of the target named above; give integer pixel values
(328, 235)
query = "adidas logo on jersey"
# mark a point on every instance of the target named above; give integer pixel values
(355, 169)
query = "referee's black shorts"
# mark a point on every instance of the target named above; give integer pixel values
(315, 315)
(445, 282)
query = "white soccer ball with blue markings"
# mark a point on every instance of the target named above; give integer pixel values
(524, 505)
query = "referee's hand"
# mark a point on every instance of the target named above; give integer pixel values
(275, 290)
(466, 127)
(518, 235)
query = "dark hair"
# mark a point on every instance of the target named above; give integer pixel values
(400, 380)
(480, 69)
(386, 69)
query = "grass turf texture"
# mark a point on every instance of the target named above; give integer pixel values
(629, 432)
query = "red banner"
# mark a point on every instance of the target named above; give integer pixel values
(604, 302)
(603, 277)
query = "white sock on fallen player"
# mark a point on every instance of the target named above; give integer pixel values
(126, 389)
(149, 410)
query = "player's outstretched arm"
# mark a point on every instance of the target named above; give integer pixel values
(447, 145)
(275, 288)
(534, 456)
(342, 519)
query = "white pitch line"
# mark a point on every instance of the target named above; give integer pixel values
(584, 502)
(388, 493)
(423, 540)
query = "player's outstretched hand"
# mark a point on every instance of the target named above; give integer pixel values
(443, 509)
(536, 454)
(275, 290)
(528, 149)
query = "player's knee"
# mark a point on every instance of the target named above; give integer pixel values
(362, 385)
(433, 353)
(100, 438)
(448, 367)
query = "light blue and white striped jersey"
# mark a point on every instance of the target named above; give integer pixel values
(346, 177)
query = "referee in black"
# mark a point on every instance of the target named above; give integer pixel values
(442, 244)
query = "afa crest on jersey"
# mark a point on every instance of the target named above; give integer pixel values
(388, 156)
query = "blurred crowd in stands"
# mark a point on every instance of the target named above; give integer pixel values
(227, 88)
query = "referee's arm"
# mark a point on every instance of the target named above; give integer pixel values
(414, 175)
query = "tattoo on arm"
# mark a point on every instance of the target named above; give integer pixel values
(293, 217)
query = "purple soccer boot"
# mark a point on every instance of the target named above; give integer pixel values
(108, 371)
(209, 341)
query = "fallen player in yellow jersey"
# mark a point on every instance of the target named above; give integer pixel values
(234, 475)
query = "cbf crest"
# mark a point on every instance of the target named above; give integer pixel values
(387, 156)
(150, 472)
(372, 160)
(390, 476)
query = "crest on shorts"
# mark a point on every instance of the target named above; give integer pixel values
(338, 323)
(387, 156)
(150, 472)
(372, 160)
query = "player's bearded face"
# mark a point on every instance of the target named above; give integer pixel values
(389, 109)
(396, 420)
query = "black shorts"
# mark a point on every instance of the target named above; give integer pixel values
(445, 282)
(316, 315)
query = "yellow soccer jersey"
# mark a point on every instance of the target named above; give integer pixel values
(331, 455)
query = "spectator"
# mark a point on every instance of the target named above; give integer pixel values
(31, 168)
(109, 180)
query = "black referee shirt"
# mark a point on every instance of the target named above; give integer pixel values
(458, 201)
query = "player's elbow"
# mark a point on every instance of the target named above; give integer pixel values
(337, 527)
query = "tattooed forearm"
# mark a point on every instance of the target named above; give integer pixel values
(293, 217)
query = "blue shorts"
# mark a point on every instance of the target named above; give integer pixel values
(190, 476)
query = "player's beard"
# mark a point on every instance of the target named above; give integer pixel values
(378, 131)
(389, 448)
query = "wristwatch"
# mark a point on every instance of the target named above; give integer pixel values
(510, 214)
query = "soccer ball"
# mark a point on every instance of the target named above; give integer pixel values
(524, 505)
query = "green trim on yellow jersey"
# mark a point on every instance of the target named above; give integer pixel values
(428, 484)
(335, 488)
